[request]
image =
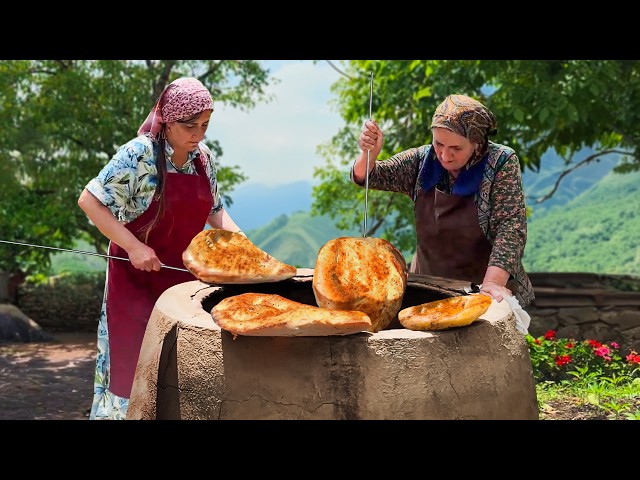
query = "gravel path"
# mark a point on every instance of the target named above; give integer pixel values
(48, 381)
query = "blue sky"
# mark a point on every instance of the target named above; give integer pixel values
(275, 143)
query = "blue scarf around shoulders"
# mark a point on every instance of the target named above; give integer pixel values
(467, 183)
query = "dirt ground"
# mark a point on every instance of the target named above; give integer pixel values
(49, 380)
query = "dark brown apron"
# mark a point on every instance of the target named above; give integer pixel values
(451, 243)
(132, 293)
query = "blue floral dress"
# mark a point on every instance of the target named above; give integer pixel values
(126, 186)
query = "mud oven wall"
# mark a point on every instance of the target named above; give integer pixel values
(190, 369)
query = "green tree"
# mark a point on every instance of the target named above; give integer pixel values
(541, 105)
(64, 119)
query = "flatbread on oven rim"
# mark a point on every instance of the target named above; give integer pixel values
(458, 311)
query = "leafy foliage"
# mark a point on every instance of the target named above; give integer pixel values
(63, 120)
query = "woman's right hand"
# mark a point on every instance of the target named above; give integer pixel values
(141, 256)
(371, 139)
(144, 258)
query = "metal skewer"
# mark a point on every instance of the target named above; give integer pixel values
(88, 253)
(366, 178)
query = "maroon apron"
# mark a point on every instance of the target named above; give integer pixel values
(132, 293)
(451, 243)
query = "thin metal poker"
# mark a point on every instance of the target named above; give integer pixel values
(87, 253)
(366, 179)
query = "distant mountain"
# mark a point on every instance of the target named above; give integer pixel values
(255, 205)
(297, 239)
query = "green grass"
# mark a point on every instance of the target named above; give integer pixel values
(599, 398)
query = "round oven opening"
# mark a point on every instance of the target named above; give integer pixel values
(420, 289)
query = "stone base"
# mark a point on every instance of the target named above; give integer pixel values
(191, 369)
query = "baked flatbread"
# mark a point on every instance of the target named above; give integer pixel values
(446, 313)
(220, 256)
(361, 273)
(263, 314)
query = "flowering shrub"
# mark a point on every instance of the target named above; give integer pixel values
(556, 359)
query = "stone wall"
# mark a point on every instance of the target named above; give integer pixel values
(584, 306)
(64, 304)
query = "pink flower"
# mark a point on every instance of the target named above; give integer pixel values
(594, 343)
(633, 357)
(602, 351)
(614, 345)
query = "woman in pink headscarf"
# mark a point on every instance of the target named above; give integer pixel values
(157, 192)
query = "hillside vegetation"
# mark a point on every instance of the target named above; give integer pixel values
(297, 239)
(598, 231)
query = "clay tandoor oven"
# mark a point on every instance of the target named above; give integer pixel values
(191, 369)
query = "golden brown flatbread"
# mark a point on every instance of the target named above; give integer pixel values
(219, 256)
(361, 273)
(446, 313)
(264, 314)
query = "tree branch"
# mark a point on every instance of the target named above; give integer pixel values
(338, 70)
(566, 172)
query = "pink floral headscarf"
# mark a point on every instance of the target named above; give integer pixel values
(182, 98)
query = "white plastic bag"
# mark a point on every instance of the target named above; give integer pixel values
(522, 318)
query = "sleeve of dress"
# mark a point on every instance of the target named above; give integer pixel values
(117, 182)
(508, 217)
(398, 173)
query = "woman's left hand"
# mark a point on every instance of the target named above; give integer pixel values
(496, 291)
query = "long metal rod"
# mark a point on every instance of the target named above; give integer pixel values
(87, 253)
(366, 178)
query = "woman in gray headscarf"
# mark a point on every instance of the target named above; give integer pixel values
(157, 192)
(468, 198)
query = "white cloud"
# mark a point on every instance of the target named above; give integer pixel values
(275, 143)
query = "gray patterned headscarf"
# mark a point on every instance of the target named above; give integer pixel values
(466, 117)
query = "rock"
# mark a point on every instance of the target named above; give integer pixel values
(15, 326)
